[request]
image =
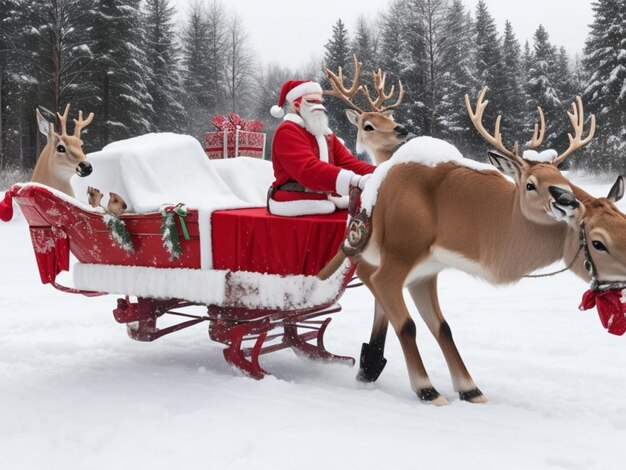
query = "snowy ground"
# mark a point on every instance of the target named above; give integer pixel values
(76, 393)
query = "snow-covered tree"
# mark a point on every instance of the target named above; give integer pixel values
(338, 53)
(393, 58)
(605, 91)
(162, 53)
(364, 43)
(122, 104)
(515, 121)
(63, 28)
(453, 121)
(541, 88)
(199, 99)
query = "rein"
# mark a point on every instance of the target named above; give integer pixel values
(596, 284)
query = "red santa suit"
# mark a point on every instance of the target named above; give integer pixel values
(309, 170)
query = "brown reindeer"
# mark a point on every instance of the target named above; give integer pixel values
(429, 217)
(63, 154)
(377, 132)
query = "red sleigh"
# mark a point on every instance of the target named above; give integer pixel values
(261, 294)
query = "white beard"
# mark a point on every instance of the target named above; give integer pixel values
(316, 122)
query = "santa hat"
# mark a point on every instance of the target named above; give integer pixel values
(291, 91)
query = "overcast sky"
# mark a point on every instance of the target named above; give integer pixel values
(290, 32)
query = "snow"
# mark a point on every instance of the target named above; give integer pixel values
(546, 156)
(153, 170)
(76, 393)
(210, 286)
(424, 150)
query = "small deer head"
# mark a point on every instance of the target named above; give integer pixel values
(377, 132)
(545, 194)
(116, 204)
(63, 154)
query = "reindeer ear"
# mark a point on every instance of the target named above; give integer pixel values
(505, 165)
(43, 124)
(617, 191)
(353, 117)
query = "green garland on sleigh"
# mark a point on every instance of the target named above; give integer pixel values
(118, 232)
(169, 233)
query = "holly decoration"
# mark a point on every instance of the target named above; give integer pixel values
(169, 234)
(119, 232)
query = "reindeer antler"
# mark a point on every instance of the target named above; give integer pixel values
(81, 123)
(379, 86)
(539, 130)
(477, 117)
(577, 117)
(63, 119)
(338, 88)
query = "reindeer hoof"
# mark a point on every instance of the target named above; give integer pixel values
(473, 396)
(372, 364)
(432, 396)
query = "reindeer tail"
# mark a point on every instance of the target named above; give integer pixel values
(332, 266)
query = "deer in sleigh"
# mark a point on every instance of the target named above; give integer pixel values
(63, 154)
(59, 160)
(431, 209)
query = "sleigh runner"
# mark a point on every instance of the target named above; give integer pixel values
(254, 272)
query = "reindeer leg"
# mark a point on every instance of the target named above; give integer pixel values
(372, 354)
(372, 361)
(387, 283)
(424, 294)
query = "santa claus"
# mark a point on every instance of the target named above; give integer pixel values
(312, 168)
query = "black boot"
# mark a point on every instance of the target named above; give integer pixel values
(372, 363)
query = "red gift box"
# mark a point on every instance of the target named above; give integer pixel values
(235, 137)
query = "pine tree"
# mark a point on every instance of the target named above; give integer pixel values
(363, 44)
(199, 98)
(453, 121)
(541, 89)
(393, 58)
(488, 69)
(162, 53)
(123, 107)
(65, 55)
(338, 54)
(605, 91)
(413, 66)
(513, 98)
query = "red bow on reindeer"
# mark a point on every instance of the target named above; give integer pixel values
(611, 310)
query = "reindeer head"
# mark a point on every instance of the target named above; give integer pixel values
(63, 155)
(545, 195)
(377, 132)
(605, 236)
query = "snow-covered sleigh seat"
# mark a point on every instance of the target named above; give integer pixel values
(255, 272)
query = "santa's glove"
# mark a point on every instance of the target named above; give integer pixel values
(360, 180)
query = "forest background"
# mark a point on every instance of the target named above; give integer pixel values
(141, 67)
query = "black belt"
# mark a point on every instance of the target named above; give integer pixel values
(294, 186)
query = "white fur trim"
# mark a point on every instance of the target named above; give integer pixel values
(547, 156)
(323, 147)
(295, 118)
(303, 89)
(210, 286)
(341, 202)
(342, 185)
(301, 207)
(277, 112)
